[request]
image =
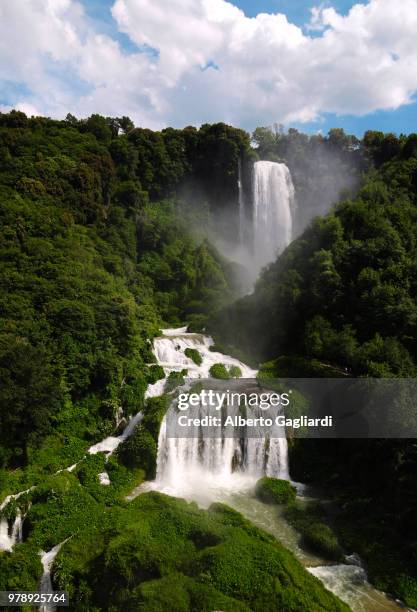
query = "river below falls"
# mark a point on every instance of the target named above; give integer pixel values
(347, 581)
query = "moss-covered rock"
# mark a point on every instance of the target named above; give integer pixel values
(174, 380)
(141, 448)
(235, 372)
(274, 491)
(219, 370)
(21, 570)
(309, 520)
(140, 451)
(194, 355)
(155, 373)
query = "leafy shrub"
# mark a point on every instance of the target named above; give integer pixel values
(174, 380)
(219, 370)
(308, 519)
(20, 571)
(274, 491)
(407, 589)
(140, 450)
(155, 373)
(321, 539)
(194, 355)
(235, 372)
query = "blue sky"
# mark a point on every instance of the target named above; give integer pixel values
(297, 11)
(173, 62)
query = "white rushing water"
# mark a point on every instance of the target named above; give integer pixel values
(110, 444)
(9, 536)
(204, 468)
(273, 206)
(47, 559)
(242, 215)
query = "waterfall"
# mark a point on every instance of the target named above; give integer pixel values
(273, 205)
(9, 538)
(200, 467)
(241, 206)
(46, 586)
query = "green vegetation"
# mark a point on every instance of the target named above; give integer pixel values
(344, 292)
(389, 552)
(174, 380)
(165, 551)
(274, 491)
(156, 372)
(100, 248)
(310, 520)
(141, 448)
(233, 351)
(194, 355)
(21, 570)
(235, 372)
(307, 518)
(219, 370)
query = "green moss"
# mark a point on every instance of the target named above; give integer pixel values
(181, 593)
(235, 372)
(274, 491)
(219, 370)
(194, 355)
(122, 479)
(20, 571)
(141, 448)
(233, 351)
(174, 380)
(309, 520)
(155, 373)
(61, 508)
(164, 553)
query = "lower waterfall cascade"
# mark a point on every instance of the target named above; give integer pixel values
(204, 465)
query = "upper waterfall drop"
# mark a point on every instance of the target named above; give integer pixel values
(273, 206)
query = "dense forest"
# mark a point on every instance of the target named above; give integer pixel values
(107, 235)
(95, 258)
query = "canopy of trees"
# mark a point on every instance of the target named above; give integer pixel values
(95, 258)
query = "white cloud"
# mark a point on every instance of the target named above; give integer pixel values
(269, 69)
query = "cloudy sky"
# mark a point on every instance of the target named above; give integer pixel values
(246, 62)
